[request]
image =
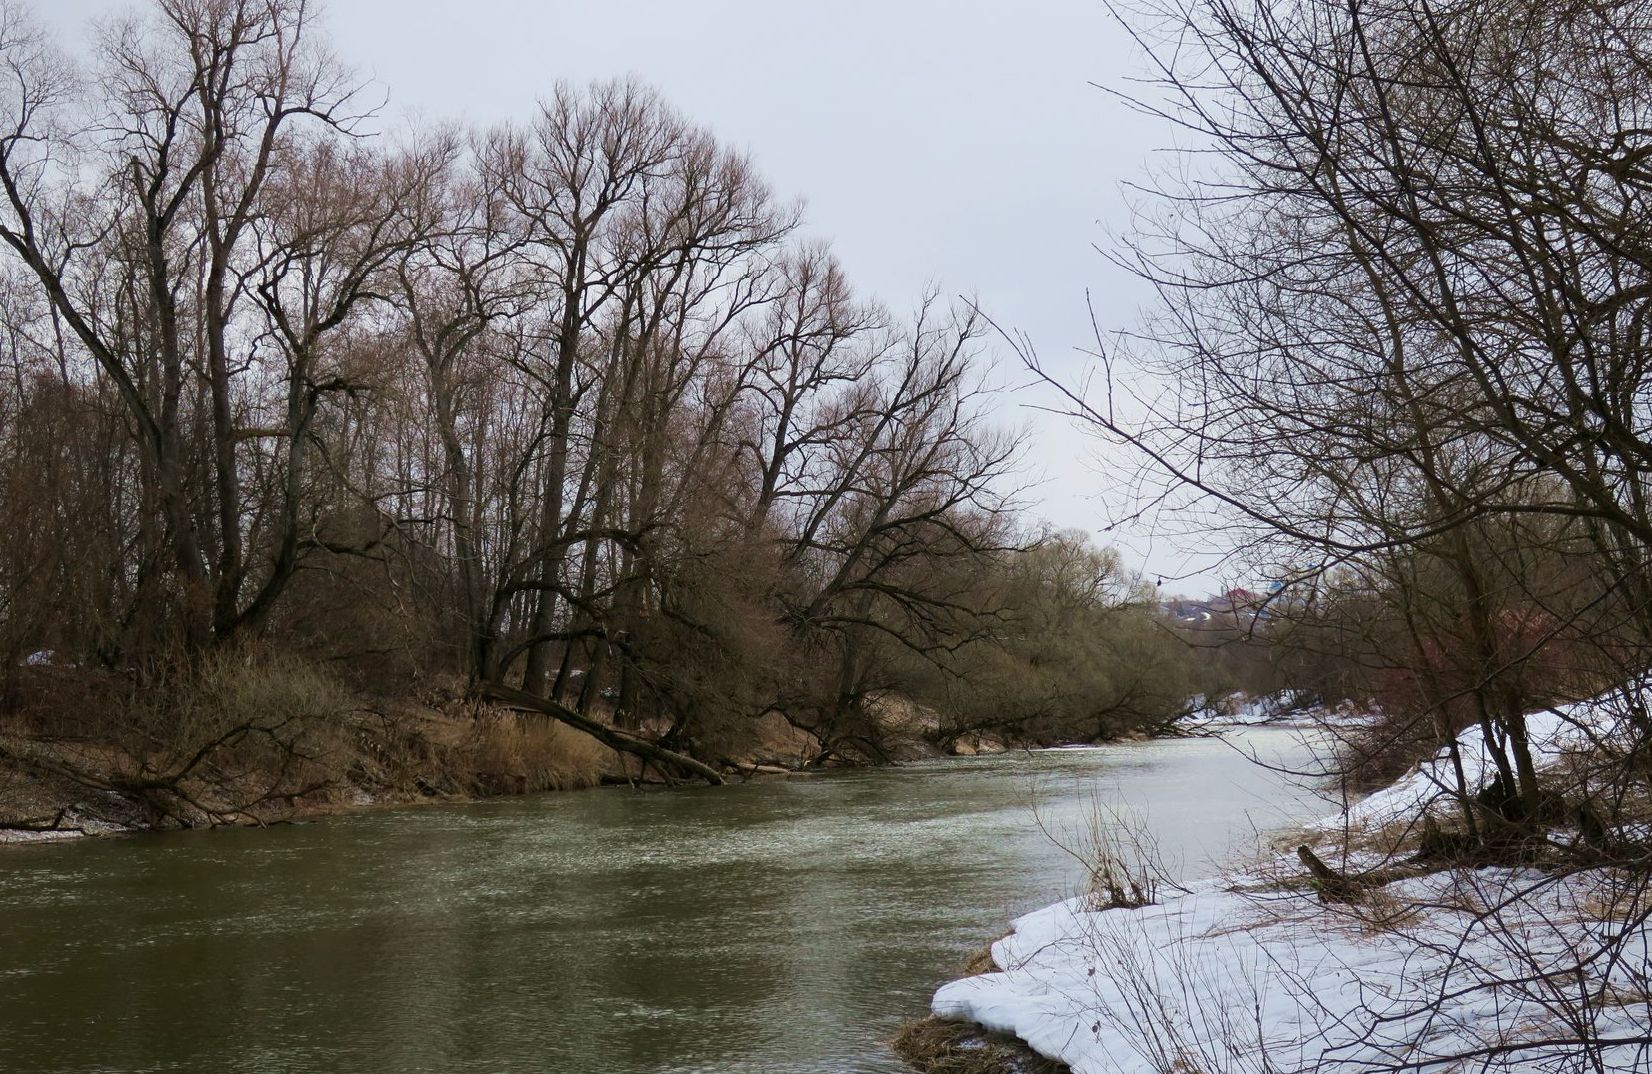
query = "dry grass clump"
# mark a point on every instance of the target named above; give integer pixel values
(1381, 913)
(943, 1046)
(981, 961)
(441, 745)
(1621, 898)
(777, 742)
(235, 737)
(512, 754)
(1125, 864)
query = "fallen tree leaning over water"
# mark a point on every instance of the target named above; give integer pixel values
(619, 740)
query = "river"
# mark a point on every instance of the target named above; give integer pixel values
(781, 927)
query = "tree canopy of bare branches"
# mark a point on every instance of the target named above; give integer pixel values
(564, 410)
(1401, 349)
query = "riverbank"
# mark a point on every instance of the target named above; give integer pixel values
(1393, 958)
(282, 744)
(53, 790)
(81, 753)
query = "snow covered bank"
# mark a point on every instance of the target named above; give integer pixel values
(1495, 969)
(56, 835)
(1284, 709)
(1560, 736)
(1250, 979)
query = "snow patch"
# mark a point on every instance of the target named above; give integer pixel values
(1283, 709)
(1255, 980)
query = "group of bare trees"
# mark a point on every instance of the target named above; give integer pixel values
(565, 407)
(1405, 318)
(1403, 347)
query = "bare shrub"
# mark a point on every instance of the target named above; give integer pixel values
(239, 732)
(1124, 864)
(62, 702)
(1376, 753)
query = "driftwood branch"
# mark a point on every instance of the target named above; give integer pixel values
(1331, 885)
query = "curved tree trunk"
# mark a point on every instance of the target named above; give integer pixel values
(524, 701)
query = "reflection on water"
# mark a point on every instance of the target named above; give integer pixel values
(782, 927)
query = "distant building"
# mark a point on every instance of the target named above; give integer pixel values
(1236, 607)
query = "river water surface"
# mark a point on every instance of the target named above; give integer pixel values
(783, 927)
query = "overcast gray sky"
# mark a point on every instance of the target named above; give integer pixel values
(953, 142)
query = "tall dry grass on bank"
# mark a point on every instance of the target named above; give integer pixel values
(236, 737)
(511, 754)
